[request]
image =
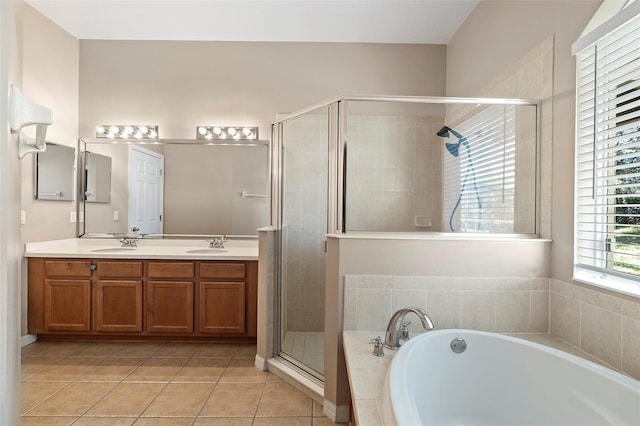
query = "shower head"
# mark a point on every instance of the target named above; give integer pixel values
(444, 132)
(453, 148)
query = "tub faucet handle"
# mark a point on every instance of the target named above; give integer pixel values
(378, 346)
(404, 331)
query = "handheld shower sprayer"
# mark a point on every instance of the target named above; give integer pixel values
(454, 150)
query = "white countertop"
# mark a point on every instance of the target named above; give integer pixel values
(197, 249)
(367, 372)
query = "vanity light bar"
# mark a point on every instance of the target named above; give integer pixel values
(127, 131)
(230, 132)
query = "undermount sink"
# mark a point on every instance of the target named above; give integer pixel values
(112, 249)
(206, 251)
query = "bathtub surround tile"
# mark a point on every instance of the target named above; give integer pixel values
(631, 347)
(594, 321)
(443, 307)
(478, 310)
(373, 308)
(513, 308)
(565, 318)
(539, 317)
(601, 334)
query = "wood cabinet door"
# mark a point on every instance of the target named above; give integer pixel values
(222, 307)
(169, 307)
(118, 306)
(67, 305)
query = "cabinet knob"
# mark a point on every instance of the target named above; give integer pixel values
(93, 267)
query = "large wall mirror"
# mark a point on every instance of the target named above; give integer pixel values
(54, 180)
(173, 188)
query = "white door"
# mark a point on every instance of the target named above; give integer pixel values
(146, 188)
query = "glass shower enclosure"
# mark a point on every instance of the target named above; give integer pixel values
(404, 165)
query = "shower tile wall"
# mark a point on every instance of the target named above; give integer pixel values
(393, 173)
(305, 211)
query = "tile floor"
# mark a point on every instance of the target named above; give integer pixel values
(156, 384)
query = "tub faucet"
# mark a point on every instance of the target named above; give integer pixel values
(394, 328)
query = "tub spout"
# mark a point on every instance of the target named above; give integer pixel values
(392, 336)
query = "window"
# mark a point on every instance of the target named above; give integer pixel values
(607, 247)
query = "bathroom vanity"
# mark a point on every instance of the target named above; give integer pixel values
(162, 290)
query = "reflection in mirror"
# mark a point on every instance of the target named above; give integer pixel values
(55, 173)
(97, 178)
(203, 189)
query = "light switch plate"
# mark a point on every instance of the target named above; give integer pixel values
(23, 217)
(72, 217)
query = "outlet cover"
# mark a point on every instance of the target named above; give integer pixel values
(72, 217)
(23, 217)
(116, 215)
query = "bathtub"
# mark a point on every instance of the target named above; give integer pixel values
(502, 380)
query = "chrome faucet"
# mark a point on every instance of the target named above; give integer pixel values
(128, 242)
(397, 324)
(217, 242)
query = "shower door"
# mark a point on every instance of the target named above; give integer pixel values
(304, 147)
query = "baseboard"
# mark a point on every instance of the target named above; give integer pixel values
(338, 414)
(261, 363)
(28, 339)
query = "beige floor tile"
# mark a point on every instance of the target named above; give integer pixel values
(51, 349)
(164, 421)
(112, 370)
(243, 370)
(157, 370)
(127, 399)
(233, 400)
(98, 349)
(176, 350)
(317, 410)
(66, 370)
(104, 421)
(282, 421)
(136, 349)
(203, 370)
(31, 365)
(46, 421)
(216, 351)
(283, 400)
(246, 351)
(223, 421)
(179, 400)
(325, 421)
(73, 400)
(272, 378)
(32, 394)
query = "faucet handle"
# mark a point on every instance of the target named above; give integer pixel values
(404, 331)
(378, 346)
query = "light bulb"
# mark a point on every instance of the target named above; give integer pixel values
(202, 131)
(137, 135)
(232, 131)
(208, 135)
(246, 131)
(114, 130)
(128, 130)
(217, 130)
(222, 135)
(143, 129)
(152, 134)
(101, 130)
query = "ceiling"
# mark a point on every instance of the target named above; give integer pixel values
(368, 21)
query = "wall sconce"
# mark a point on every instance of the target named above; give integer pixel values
(127, 131)
(22, 113)
(230, 132)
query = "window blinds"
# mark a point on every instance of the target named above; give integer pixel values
(608, 152)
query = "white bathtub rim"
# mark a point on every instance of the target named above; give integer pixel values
(399, 407)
